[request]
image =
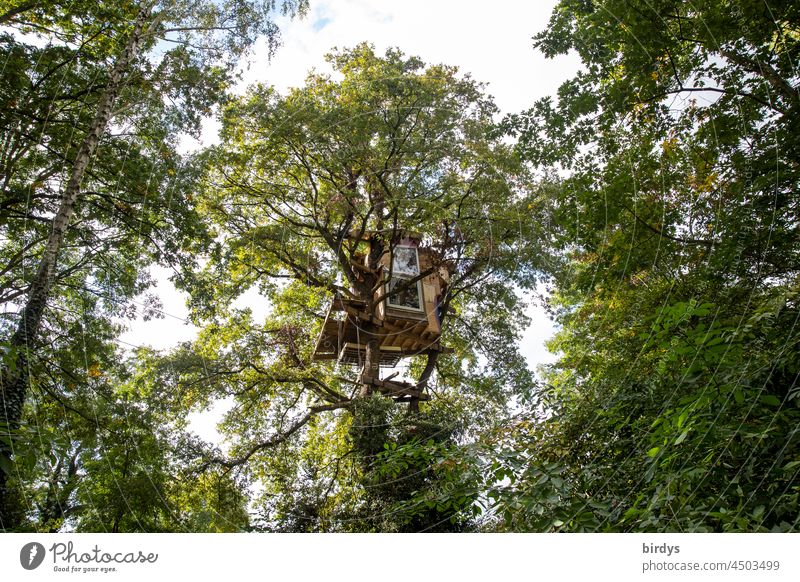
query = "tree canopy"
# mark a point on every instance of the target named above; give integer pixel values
(299, 186)
(651, 205)
(94, 190)
(675, 396)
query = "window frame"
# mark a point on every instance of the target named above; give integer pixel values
(405, 277)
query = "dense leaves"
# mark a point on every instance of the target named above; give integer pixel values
(652, 201)
(673, 405)
(95, 98)
(391, 147)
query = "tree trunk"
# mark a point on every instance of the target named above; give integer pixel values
(14, 377)
(371, 370)
(372, 356)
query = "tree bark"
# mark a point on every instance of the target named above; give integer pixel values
(372, 358)
(14, 376)
(7, 16)
(372, 355)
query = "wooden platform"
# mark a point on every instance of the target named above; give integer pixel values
(342, 337)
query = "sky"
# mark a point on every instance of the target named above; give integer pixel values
(492, 41)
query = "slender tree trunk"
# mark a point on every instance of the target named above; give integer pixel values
(14, 377)
(372, 356)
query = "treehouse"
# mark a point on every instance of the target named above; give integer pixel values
(403, 315)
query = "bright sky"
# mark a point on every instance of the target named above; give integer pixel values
(491, 41)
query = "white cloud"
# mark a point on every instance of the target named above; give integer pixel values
(491, 41)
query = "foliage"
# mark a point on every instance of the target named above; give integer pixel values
(655, 198)
(673, 405)
(66, 81)
(390, 146)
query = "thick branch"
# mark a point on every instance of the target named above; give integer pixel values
(688, 241)
(275, 440)
(712, 90)
(757, 67)
(24, 7)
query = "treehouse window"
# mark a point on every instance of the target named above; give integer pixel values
(406, 262)
(407, 297)
(405, 266)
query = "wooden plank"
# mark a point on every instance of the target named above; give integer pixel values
(362, 315)
(392, 388)
(404, 315)
(365, 269)
(323, 344)
(430, 308)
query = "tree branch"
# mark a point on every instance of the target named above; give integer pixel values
(690, 241)
(275, 440)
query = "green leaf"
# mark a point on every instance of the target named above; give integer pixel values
(5, 465)
(682, 418)
(769, 400)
